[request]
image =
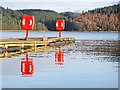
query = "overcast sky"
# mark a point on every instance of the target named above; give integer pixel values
(58, 5)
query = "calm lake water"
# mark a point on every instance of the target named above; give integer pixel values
(84, 64)
(77, 35)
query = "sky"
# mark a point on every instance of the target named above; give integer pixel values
(58, 5)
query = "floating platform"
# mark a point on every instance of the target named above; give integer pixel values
(21, 45)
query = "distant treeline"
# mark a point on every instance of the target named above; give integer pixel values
(101, 19)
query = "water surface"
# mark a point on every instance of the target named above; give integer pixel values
(77, 35)
(91, 62)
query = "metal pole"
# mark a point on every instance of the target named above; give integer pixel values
(26, 34)
(60, 34)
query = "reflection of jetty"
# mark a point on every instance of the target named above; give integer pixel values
(14, 46)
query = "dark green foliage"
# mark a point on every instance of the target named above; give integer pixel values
(45, 17)
(107, 10)
(69, 14)
(10, 19)
(100, 19)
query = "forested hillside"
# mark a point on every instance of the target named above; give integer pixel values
(103, 19)
(100, 19)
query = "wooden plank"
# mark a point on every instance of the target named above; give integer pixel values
(33, 41)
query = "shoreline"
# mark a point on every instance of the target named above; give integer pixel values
(50, 31)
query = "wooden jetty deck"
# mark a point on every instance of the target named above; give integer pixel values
(20, 45)
(43, 49)
(32, 42)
